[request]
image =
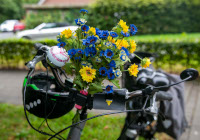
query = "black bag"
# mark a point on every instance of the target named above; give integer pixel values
(174, 111)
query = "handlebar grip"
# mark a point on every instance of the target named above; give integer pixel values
(37, 46)
(161, 96)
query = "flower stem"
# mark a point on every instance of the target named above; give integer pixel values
(138, 57)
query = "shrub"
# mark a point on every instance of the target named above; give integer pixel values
(12, 52)
(150, 16)
(169, 53)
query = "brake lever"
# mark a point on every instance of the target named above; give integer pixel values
(31, 64)
(153, 108)
(40, 56)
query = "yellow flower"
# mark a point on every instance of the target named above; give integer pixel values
(112, 40)
(122, 23)
(67, 33)
(133, 70)
(92, 30)
(125, 28)
(87, 74)
(122, 43)
(133, 46)
(145, 62)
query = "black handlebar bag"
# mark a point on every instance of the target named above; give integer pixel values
(174, 111)
(50, 104)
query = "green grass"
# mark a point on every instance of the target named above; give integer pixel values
(13, 125)
(183, 37)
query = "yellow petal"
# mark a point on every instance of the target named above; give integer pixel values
(109, 102)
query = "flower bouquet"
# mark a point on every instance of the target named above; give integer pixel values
(97, 55)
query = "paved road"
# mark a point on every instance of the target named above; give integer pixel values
(6, 35)
(10, 86)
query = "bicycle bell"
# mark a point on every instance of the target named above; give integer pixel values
(57, 56)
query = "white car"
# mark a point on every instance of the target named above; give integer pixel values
(45, 31)
(8, 25)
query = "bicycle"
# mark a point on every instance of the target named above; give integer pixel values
(64, 93)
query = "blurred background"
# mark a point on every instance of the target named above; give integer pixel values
(168, 28)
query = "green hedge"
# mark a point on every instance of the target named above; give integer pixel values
(150, 16)
(170, 54)
(14, 51)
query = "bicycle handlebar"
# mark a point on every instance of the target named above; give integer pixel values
(38, 46)
(120, 97)
(162, 95)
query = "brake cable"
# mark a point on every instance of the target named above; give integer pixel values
(46, 105)
(103, 114)
(41, 132)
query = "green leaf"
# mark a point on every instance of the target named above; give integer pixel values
(94, 63)
(116, 83)
(119, 63)
(95, 88)
(68, 68)
(78, 81)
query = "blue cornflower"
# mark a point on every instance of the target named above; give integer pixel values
(122, 52)
(103, 71)
(86, 42)
(83, 11)
(125, 50)
(118, 73)
(101, 53)
(89, 65)
(85, 28)
(112, 64)
(80, 21)
(123, 57)
(104, 34)
(72, 52)
(84, 63)
(113, 34)
(98, 60)
(61, 44)
(90, 51)
(111, 74)
(92, 39)
(109, 89)
(78, 58)
(58, 39)
(84, 34)
(108, 43)
(133, 29)
(108, 53)
(80, 51)
(125, 34)
(98, 32)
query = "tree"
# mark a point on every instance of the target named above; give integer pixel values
(11, 9)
